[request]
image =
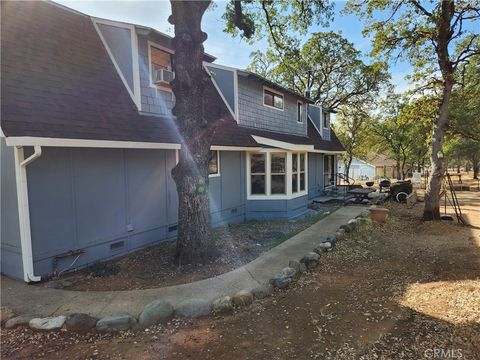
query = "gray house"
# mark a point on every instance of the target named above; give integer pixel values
(88, 141)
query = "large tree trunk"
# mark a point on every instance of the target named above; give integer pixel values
(194, 241)
(476, 166)
(347, 168)
(431, 210)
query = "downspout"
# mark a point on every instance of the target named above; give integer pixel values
(24, 210)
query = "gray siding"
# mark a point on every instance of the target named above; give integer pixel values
(276, 209)
(11, 253)
(225, 80)
(227, 191)
(315, 175)
(89, 199)
(119, 42)
(92, 198)
(252, 112)
(153, 100)
(316, 115)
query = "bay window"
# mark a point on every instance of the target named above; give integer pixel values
(276, 174)
(257, 174)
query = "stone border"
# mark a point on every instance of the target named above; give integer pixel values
(159, 311)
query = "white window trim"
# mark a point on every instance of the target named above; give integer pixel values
(275, 92)
(302, 111)
(151, 44)
(289, 195)
(217, 174)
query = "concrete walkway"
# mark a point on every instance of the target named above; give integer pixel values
(27, 299)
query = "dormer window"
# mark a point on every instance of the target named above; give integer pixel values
(272, 98)
(161, 68)
(325, 120)
(299, 112)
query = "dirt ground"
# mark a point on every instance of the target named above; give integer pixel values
(153, 267)
(399, 290)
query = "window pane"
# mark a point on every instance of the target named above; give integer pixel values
(278, 101)
(294, 183)
(302, 181)
(258, 184)
(268, 98)
(299, 112)
(213, 163)
(294, 162)
(302, 162)
(160, 59)
(278, 163)
(257, 163)
(278, 184)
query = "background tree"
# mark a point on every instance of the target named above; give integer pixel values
(460, 150)
(352, 127)
(425, 35)
(464, 112)
(277, 20)
(401, 130)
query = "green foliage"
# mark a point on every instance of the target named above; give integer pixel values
(412, 31)
(464, 112)
(352, 127)
(277, 20)
(402, 130)
(328, 65)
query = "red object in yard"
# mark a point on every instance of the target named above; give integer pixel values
(379, 214)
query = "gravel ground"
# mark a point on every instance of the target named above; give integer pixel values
(399, 290)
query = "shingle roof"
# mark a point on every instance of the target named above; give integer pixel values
(58, 80)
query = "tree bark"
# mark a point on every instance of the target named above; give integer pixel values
(431, 210)
(476, 166)
(347, 168)
(194, 241)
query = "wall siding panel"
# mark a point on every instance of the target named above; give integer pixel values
(11, 254)
(253, 114)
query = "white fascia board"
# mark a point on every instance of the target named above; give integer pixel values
(282, 144)
(235, 148)
(328, 152)
(60, 142)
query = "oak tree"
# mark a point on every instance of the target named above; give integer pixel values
(425, 34)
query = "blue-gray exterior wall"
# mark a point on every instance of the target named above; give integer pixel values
(89, 199)
(11, 252)
(276, 209)
(225, 80)
(315, 175)
(253, 114)
(227, 191)
(119, 41)
(92, 198)
(153, 99)
(315, 113)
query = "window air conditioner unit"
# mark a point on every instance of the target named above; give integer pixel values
(163, 76)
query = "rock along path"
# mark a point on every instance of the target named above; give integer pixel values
(25, 299)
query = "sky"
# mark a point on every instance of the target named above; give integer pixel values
(228, 50)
